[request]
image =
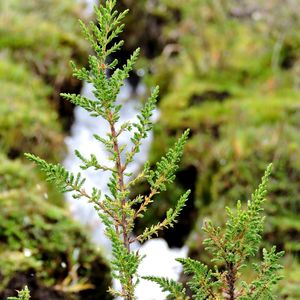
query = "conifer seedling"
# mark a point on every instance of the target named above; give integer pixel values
(117, 210)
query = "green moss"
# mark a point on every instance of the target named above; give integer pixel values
(222, 79)
(28, 122)
(48, 46)
(40, 237)
(39, 241)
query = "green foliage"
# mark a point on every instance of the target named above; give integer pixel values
(41, 238)
(201, 283)
(169, 221)
(166, 168)
(243, 229)
(116, 209)
(31, 58)
(267, 276)
(48, 47)
(231, 248)
(124, 263)
(57, 174)
(175, 289)
(27, 120)
(22, 295)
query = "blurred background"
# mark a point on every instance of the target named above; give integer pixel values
(228, 69)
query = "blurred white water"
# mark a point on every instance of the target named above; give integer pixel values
(159, 258)
(89, 5)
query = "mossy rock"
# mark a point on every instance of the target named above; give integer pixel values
(41, 244)
(45, 34)
(28, 122)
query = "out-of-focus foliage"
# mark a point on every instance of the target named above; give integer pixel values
(43, 33)
(40, 244)
(39, 239)
(35, 50)
(22, 295)
(229, 71)
(27, 120)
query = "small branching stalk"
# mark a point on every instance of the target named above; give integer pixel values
(116, 209)
(231, 248)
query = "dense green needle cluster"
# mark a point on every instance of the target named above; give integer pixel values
(117, 209)
(230, 249)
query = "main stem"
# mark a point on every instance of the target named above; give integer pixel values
(231, 279)
(120, 170)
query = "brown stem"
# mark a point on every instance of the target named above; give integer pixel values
(231, 279)
(148, 199)
(120, 170)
